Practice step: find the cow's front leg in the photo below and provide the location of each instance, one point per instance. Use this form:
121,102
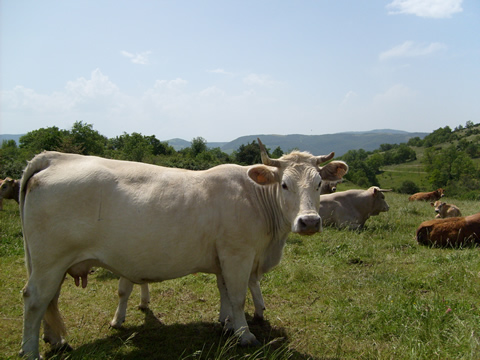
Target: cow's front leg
236,273
125,288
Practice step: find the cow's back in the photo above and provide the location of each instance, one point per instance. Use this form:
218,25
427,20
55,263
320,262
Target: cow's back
452,231
143,214
340,208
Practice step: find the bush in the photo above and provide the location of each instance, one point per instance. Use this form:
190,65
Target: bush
408,187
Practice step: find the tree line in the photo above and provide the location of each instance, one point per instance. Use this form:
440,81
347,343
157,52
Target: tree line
448,157
83,139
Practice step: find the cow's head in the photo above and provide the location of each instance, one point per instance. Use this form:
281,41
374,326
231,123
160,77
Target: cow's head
438,205
379,202
298,177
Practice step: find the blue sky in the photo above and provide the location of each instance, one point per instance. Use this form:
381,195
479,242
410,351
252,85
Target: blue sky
224,69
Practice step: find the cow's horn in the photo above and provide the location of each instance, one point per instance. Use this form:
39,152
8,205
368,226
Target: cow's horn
265,159
322,158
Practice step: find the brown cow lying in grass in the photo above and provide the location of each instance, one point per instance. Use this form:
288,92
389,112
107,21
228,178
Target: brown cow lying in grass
9,189
450,231
445,210
427,196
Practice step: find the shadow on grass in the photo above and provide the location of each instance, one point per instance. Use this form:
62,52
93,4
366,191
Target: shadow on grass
197,340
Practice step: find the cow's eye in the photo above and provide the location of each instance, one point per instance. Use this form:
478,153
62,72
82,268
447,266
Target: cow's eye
319,184
284,186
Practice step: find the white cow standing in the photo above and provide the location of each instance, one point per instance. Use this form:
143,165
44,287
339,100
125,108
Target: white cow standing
148,223
125,287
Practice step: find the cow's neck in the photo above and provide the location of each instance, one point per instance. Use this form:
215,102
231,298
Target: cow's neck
277,225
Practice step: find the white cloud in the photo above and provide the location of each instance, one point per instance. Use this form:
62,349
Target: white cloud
258,79
349,96
426,8
396,93
139,58
168,108
220,71
411,49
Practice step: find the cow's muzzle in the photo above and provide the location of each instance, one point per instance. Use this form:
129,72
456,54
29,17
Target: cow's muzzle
308,224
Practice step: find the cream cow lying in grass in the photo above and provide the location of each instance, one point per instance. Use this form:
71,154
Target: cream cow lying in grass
352,208
445,210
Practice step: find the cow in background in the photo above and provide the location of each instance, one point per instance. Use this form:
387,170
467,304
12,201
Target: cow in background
427,196
148,223
9,189
454,231
328,187
445,210
352,208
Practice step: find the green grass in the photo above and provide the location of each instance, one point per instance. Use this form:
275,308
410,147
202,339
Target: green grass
372,294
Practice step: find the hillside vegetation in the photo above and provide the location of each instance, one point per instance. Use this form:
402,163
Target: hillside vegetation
445,158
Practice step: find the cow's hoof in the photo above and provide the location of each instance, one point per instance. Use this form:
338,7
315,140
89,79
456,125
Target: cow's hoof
21,354
249,341
116,324
258,318
63,347
143,307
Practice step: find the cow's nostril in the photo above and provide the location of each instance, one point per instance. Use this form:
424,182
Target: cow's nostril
309,224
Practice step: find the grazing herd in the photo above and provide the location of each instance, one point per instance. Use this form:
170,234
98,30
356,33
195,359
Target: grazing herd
148,223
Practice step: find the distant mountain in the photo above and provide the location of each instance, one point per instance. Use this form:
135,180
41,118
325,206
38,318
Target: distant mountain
316,144
15,137
340,143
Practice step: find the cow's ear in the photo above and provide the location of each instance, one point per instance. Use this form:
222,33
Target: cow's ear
262,175
333,171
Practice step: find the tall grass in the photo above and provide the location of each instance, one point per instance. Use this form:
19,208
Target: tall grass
370,294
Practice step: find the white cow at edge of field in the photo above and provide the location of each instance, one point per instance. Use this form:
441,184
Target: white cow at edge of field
148,223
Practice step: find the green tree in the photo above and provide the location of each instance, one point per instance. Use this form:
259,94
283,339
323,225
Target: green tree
361,172
134,147
199,145
277,153
90,141
43,139
12,160
248,154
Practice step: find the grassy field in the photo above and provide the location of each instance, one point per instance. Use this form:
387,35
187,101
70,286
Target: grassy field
373,294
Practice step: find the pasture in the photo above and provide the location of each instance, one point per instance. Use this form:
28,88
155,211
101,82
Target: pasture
372,294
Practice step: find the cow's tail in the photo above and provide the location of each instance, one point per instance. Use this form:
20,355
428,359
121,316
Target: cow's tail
39,163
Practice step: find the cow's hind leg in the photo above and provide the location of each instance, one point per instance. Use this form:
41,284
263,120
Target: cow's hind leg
144,297
125,288
225,317
53,334
254,286
236,275
40,301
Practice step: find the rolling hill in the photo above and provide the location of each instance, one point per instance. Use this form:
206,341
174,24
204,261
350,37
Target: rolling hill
316,144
